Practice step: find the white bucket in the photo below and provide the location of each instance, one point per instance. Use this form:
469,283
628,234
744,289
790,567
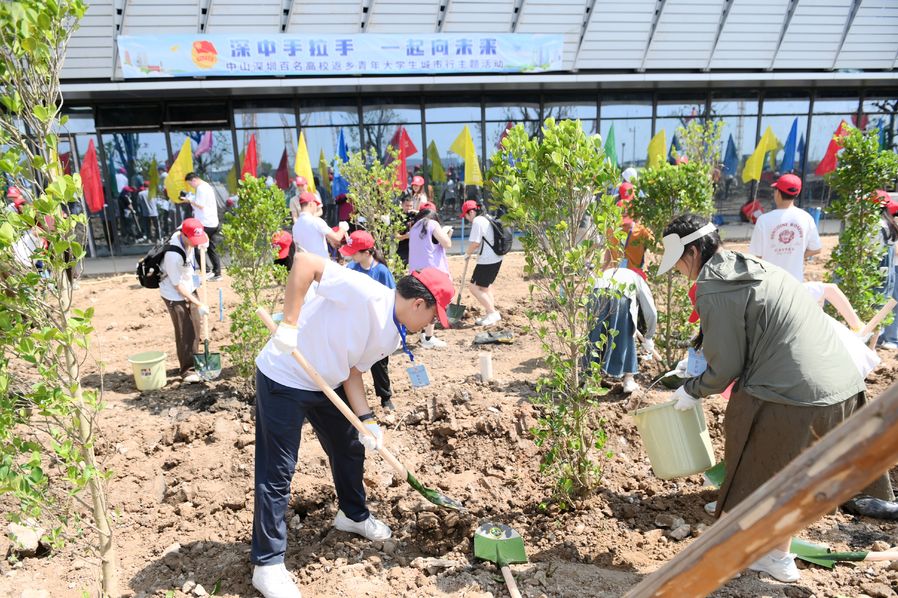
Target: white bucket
149,370
677,442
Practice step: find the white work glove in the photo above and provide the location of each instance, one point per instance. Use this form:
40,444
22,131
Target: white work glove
648,345
864,337
385,219
343,225
285,338
203,310
372,444
448,231
685,401
680,370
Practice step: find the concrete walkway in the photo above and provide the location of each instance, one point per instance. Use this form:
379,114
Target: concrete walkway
106,266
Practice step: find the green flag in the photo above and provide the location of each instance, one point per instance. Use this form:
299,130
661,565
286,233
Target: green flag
437,174
610,149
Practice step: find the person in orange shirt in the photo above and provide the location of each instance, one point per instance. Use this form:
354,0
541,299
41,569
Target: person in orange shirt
637,236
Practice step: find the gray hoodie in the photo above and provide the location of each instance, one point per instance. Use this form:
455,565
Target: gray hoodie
760,325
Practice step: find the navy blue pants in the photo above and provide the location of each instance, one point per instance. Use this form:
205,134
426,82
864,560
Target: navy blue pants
280,413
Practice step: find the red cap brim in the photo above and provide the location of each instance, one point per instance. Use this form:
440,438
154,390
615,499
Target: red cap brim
444,319
348,250
201,239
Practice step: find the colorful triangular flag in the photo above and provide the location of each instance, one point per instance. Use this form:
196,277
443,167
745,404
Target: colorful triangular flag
437,173
755,163
282,174
302,165
204,146
91,182
183,164
323,172
463,146
611,147
674,152
657,147
830,158
731,158
250,158
788,163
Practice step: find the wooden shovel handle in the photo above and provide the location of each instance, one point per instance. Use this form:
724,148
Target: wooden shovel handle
510,582
204,291
655,355
888,555
874,322
339,403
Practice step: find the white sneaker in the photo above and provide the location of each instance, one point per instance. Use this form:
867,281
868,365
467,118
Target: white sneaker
190,379
778,565
432,342
370,528
630,385
711,507
273,581
888,345
490,319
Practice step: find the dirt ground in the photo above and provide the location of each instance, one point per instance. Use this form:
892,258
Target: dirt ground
182,482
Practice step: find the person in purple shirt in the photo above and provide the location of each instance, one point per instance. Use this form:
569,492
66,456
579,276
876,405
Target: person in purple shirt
366,258
428,241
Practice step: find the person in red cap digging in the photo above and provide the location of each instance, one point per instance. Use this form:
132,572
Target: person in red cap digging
283,242
352,323
480,243
311,232
786,236
179,293
367,259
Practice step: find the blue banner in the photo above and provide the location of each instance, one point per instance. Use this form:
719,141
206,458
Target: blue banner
247,55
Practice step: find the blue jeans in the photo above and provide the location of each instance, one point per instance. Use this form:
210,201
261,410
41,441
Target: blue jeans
619,354
280,413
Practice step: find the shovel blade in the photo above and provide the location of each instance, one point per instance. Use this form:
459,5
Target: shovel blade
499,544
208,365
437,498
455,312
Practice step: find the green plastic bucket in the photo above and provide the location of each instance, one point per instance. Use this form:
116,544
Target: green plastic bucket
677,442
149,370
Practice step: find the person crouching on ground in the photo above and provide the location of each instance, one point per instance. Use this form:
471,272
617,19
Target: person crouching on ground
352,323
619,295
366,258
179,294
796,380
480,242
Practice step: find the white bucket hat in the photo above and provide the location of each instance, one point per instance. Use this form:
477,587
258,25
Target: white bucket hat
674,245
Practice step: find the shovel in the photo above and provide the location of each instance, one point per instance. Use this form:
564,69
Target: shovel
456,310
208,365
825,557
431,495
499,544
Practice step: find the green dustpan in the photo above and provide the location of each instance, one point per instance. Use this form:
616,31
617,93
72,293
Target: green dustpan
208,365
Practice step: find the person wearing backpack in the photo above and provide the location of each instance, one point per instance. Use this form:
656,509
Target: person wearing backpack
178,290
482,242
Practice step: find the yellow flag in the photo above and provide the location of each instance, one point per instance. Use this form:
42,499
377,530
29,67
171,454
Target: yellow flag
755,162
464,147
323,172
657,149
303,164
183,164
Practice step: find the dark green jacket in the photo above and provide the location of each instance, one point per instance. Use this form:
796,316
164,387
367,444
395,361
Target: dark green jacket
760,325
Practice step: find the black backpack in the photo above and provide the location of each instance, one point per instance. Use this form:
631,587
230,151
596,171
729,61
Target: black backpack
502,237
149,269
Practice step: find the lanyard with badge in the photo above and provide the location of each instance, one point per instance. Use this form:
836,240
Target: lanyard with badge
417,374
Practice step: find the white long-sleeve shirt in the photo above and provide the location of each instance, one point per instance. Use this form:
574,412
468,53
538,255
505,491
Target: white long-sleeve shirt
631,285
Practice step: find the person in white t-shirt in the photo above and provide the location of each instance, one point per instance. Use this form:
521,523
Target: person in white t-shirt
480,242
310,232
179,294
786,236
352,323
205,209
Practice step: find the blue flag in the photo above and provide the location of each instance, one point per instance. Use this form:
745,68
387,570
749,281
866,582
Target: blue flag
801,151
731,158
340,186
788,163
674,145
881,125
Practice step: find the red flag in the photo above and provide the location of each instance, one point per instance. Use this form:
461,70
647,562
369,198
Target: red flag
66,160
508,126
865,120
402,142
250,159
90,180
830,159
282,175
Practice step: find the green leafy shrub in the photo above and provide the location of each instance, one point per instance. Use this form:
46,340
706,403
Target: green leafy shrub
854,264
663,193
256,279
555,192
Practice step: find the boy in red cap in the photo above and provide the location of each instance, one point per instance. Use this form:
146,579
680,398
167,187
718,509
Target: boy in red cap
310,231
365,258
786,236
283,241
352,323
302,186
178,292
480,242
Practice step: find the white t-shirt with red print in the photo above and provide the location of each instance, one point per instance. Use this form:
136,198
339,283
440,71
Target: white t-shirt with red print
782,236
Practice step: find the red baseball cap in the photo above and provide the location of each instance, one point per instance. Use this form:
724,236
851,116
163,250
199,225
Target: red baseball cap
192,229
282,240
468,206
788,184
440,286
360,240
626,191
418,180
300,180
426,205
13,193
308,197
